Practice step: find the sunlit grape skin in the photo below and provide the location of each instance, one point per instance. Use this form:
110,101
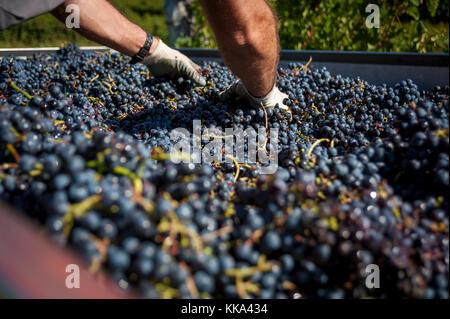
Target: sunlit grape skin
374,190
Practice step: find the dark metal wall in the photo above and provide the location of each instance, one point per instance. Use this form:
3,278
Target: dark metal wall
426,70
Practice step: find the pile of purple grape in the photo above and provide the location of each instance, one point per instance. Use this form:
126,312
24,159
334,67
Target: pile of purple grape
362,179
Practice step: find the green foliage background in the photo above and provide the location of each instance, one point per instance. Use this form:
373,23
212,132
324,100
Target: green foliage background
46,30
405,25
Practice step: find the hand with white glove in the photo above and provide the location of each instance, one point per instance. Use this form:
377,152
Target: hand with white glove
167,62
238,91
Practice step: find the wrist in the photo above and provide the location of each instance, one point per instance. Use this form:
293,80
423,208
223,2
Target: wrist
154,45
265,94
146,49
261,91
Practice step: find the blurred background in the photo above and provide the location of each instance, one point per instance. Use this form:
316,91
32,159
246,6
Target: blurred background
405,25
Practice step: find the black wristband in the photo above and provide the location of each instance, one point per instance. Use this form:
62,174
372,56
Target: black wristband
138,57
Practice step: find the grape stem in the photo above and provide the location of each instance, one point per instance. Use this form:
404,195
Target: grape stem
9,165
305,67
236,175
18,89
311,149
78,210
14,152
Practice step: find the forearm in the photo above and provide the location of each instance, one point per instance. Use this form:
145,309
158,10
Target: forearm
247,38
104,24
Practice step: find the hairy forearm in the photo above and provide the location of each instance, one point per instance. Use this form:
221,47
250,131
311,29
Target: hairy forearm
104,24
247,38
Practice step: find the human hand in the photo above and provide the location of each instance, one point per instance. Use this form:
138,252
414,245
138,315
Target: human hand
167,62
238,91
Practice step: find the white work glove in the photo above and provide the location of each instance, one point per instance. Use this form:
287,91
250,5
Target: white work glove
167,62
238,91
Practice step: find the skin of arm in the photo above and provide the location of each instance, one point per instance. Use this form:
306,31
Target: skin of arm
247,37
103,23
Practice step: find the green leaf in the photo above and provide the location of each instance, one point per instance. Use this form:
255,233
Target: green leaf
423,26
432,6
305,12
415,2
413,12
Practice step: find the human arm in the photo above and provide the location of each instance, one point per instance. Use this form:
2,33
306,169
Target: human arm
103,23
